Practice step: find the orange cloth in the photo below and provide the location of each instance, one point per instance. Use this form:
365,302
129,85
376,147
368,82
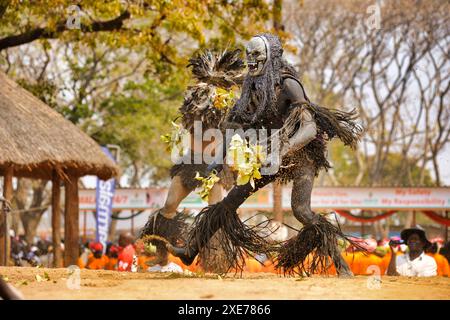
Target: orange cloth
252,265
366,263
331,270
195,266
443,268
112,264
98,264
80,263
328,269
353,260
371,264
385,262
177,261
269,266
142,262
90,258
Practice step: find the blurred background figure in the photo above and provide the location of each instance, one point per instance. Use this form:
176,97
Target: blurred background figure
159,258
127,251
97,260
414,263
113,256
443,268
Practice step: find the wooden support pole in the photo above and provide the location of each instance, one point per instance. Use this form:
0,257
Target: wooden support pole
71,227
5,242
56,220
85,213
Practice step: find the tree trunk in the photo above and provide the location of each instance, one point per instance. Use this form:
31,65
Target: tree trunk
20,198
113,227
386,229
277,14
71,221
5,242
30,222
30,219
409,219
56,220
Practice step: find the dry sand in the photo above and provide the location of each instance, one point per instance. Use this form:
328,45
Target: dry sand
41,283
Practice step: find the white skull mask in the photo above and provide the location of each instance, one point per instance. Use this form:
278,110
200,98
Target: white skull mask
258,53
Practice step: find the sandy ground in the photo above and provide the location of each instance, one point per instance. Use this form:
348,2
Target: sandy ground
40,283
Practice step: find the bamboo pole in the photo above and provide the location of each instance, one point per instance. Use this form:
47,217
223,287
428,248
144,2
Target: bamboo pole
5,242
56,220
71,227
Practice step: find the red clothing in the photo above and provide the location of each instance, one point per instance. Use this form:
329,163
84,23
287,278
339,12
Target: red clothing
126,258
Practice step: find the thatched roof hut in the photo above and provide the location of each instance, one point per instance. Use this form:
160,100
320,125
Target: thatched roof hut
35,139
37,142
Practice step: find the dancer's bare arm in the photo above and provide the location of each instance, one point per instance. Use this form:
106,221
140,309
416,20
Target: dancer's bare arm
308,130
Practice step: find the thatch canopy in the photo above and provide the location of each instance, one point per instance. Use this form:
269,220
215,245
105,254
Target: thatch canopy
35,139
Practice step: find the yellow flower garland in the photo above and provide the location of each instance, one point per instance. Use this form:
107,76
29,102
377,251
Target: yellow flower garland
246,160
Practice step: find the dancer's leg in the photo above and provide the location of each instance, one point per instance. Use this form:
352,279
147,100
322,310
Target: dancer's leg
167,222
177,192
301,207
216,194
223,215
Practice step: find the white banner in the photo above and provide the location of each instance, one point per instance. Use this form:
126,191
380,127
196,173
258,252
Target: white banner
322,198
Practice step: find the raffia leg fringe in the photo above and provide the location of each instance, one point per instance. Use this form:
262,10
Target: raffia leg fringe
237,239
212,257
312,250
174,230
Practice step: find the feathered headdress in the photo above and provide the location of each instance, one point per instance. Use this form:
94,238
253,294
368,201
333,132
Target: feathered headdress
223,69
208,100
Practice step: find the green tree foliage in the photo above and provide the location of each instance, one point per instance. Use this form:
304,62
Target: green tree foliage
134,120
119,67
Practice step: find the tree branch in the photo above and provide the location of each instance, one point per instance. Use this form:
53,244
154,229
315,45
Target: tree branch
45,33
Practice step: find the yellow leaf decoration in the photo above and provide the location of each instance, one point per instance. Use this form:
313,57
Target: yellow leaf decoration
207,184
150,248
175,139
246,160
223,99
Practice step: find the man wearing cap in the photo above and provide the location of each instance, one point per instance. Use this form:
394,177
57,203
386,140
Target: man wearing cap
415,263
97,261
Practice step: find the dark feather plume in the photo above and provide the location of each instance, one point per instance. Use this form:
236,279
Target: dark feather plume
223,69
